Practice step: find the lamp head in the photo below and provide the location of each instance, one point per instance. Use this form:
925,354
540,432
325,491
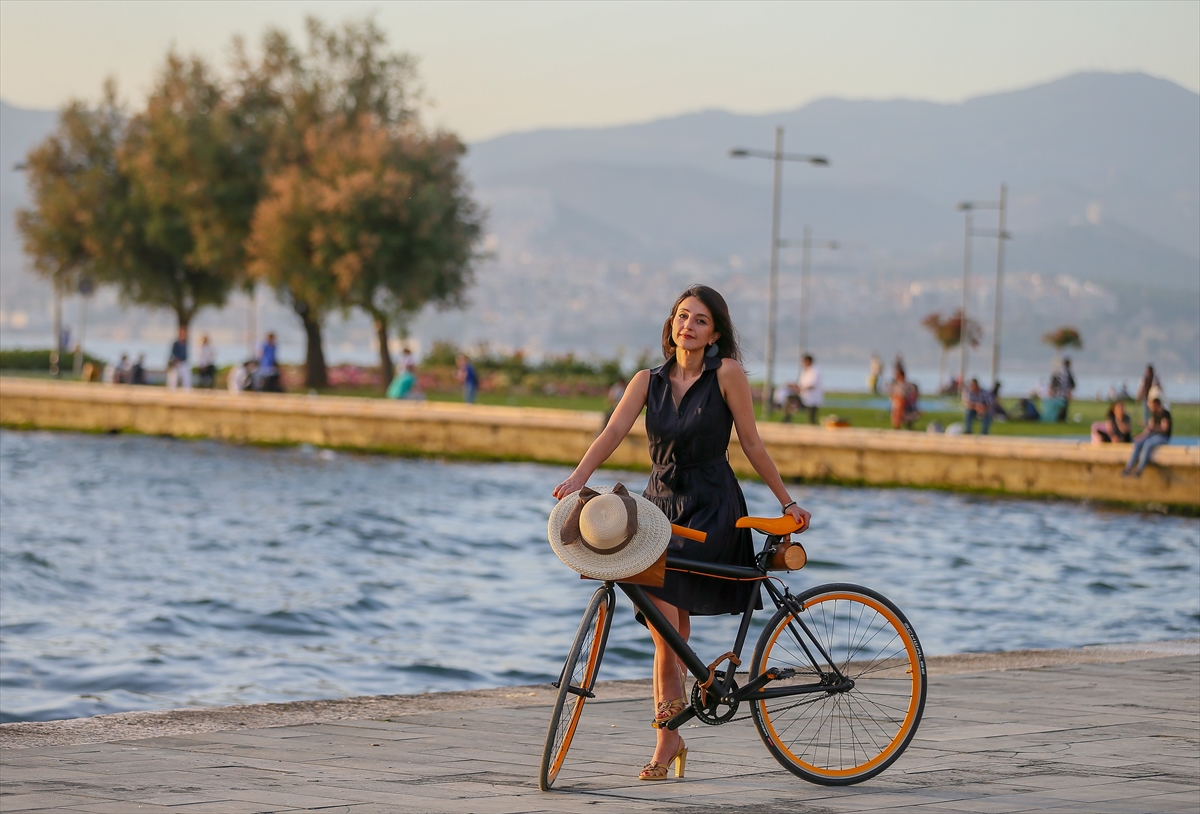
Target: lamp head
819,161
738,153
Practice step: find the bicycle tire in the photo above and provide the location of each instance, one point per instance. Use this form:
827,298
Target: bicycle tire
839,738
579,673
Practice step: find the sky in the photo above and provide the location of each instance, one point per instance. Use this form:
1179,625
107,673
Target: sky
490,68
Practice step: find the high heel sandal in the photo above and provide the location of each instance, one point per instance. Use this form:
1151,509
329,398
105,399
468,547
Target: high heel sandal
666,710
658,771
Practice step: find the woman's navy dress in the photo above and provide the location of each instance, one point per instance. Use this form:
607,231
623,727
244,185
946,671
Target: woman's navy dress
694,486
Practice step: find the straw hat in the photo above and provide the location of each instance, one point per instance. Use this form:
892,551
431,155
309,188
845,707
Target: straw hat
607,533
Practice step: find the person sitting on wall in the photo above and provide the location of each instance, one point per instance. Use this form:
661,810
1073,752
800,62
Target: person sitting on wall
998,411
241,378
1116,428
1157,433
404,386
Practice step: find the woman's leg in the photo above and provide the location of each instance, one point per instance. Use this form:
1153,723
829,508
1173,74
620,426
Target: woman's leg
668,683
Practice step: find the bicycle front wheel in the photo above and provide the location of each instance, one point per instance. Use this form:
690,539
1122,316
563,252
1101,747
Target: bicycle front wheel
575,683
845,734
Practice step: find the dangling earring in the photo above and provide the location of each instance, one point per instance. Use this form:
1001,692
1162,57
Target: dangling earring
712,349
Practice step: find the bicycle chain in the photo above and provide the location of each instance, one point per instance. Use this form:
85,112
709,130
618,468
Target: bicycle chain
750,715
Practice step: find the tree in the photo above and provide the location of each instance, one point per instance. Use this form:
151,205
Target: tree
74,182
157,205
949,334
1064,337
193,187
363,209
399,228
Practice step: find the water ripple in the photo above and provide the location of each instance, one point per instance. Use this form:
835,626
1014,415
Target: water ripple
144,573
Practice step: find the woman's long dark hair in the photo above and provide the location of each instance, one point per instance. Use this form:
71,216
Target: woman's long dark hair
727,343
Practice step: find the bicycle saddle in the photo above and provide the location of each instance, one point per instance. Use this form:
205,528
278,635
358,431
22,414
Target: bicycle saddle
772,525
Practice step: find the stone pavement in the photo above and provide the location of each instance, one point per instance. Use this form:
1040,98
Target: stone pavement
1090,737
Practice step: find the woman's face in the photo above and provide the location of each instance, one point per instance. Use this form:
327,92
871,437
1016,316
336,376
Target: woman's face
692,327
1119,409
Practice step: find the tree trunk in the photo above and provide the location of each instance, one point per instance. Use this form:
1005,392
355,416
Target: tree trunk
942,369
386,368
315,374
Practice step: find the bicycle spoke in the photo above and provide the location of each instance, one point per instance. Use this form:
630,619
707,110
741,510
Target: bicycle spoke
849,732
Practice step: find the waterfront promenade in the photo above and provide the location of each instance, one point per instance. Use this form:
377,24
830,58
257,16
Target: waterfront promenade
1013,466
1104,729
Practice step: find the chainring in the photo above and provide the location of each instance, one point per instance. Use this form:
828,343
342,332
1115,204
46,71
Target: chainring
716,712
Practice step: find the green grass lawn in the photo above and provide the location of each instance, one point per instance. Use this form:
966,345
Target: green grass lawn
1186,417
844,405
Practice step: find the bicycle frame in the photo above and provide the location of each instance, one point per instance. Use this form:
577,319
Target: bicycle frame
832,678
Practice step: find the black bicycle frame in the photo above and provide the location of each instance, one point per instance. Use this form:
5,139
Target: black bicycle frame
835,682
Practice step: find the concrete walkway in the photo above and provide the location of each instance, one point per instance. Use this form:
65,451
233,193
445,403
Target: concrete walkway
1093,736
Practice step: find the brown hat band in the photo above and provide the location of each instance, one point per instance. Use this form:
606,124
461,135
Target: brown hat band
571,533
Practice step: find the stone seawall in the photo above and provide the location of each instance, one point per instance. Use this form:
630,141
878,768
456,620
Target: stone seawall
1016,466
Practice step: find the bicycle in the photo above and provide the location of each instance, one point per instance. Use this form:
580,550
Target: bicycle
836,684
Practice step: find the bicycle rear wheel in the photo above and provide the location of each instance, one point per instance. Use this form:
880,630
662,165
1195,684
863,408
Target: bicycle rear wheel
838,737
575,683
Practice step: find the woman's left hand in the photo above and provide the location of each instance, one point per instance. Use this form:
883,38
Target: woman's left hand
799,515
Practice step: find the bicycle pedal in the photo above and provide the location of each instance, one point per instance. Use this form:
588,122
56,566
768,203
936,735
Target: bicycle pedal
781,675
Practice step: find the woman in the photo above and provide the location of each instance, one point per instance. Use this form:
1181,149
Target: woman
692,401
1116,428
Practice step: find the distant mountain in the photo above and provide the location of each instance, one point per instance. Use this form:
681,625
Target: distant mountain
592,231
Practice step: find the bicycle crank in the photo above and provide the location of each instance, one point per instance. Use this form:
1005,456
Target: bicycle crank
718,710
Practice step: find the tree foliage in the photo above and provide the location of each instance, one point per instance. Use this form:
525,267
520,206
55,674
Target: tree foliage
948,332
308,169
1063,337
363,209
73,181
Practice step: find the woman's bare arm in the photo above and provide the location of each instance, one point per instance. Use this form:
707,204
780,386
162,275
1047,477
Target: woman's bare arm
736,390
606,442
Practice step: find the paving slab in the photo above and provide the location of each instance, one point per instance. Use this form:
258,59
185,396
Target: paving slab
1070,735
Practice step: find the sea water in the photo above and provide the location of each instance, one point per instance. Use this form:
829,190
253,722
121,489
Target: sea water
148,573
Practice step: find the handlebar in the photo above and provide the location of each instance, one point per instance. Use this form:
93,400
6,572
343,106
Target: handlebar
691,534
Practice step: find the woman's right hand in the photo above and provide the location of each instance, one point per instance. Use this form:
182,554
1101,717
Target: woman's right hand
570,486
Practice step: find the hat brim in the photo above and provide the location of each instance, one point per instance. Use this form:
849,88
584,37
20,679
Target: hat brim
647,545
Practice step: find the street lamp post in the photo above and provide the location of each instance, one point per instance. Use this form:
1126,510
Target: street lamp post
967,207
778,156
806,247
1001,236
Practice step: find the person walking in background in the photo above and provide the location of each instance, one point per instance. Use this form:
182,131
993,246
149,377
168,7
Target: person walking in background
1062,386
206,363
467,378
874,371
615,393
268,367
178,363
1116,428
812,391
903,397
406,359
1157,433
1148,382
977,403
